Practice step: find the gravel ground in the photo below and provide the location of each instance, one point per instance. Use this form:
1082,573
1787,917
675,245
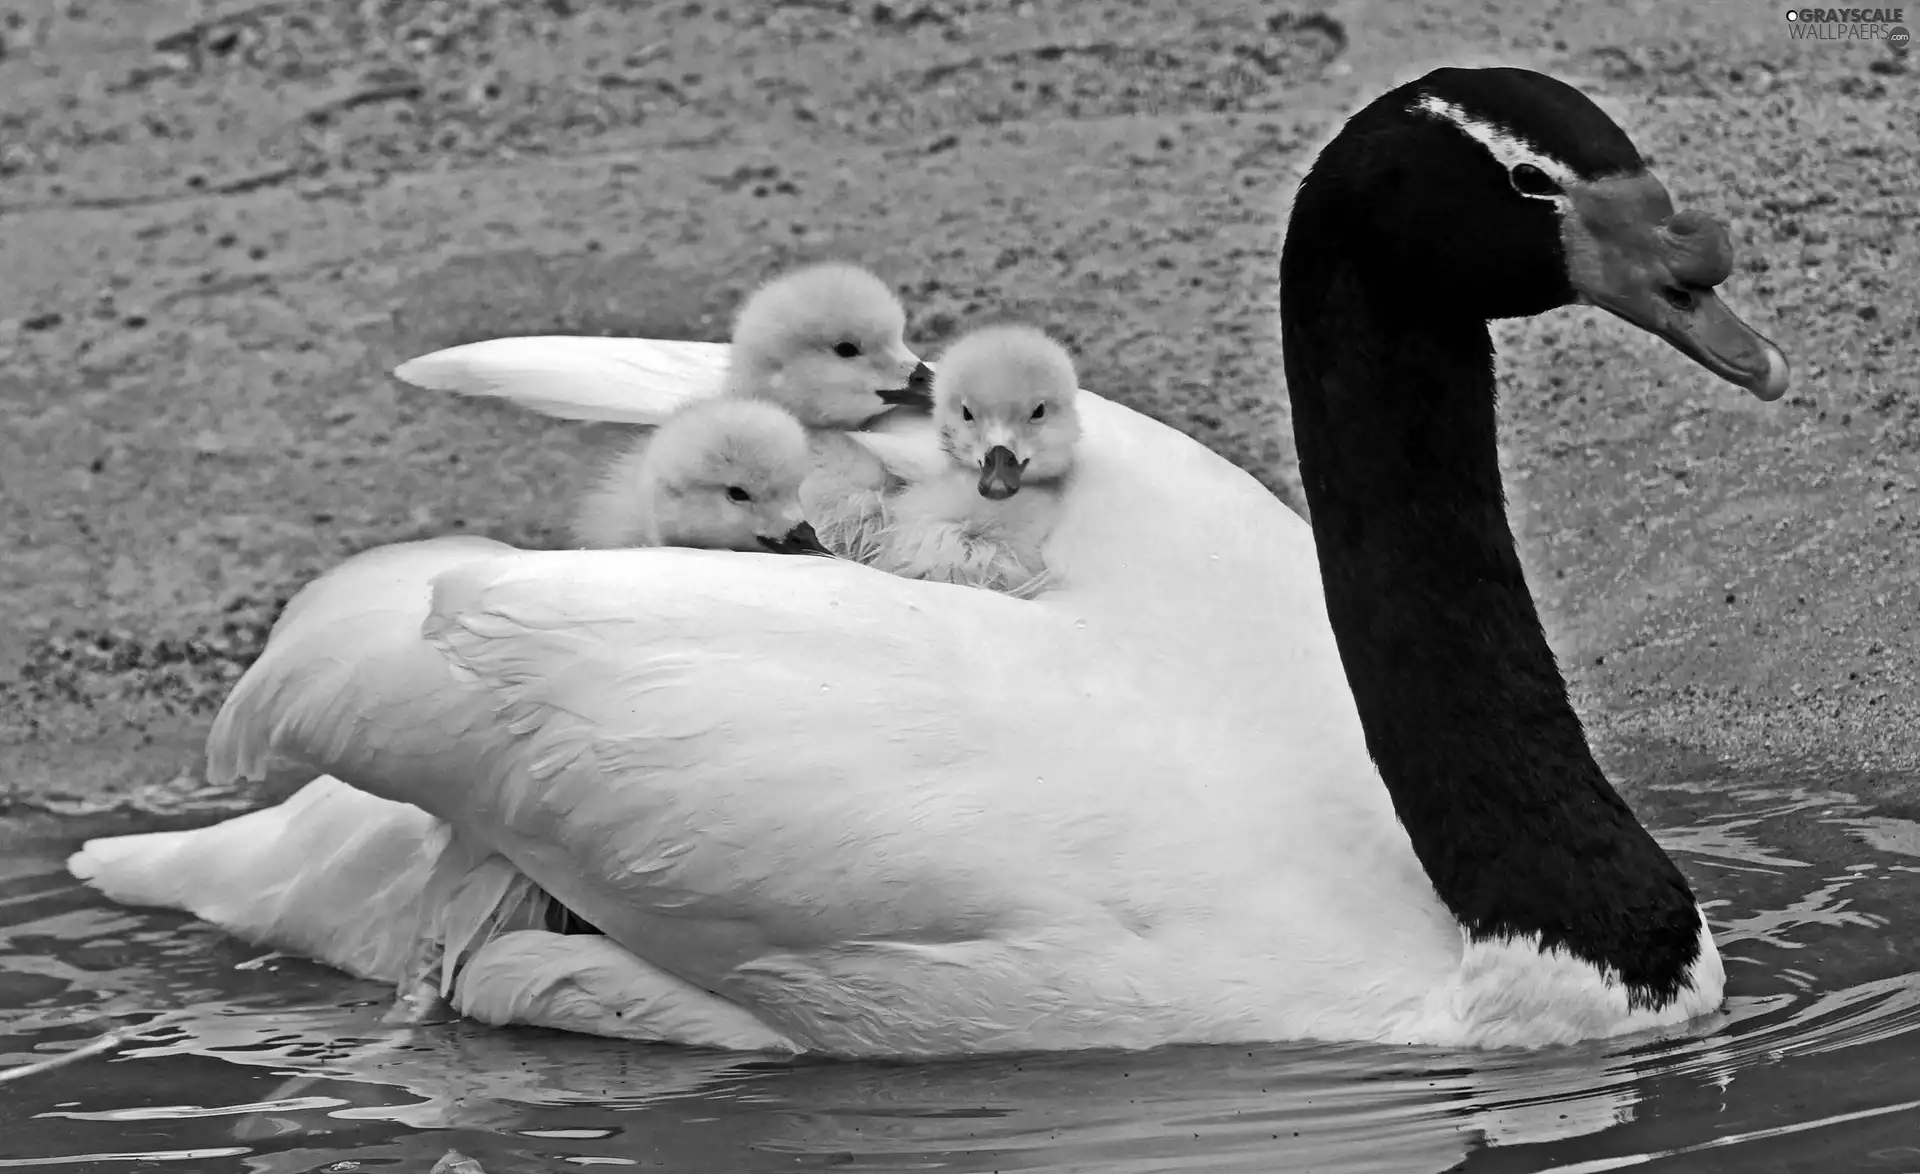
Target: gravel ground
221,225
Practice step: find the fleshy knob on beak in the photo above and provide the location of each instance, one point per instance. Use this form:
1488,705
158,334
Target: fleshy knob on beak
1699,249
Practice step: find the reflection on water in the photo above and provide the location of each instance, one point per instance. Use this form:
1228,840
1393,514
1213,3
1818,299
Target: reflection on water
237,1060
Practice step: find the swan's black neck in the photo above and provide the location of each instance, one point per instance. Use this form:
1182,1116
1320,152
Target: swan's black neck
1465,711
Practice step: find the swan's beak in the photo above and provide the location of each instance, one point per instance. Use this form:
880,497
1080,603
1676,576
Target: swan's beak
1000,473
1629,254
799,540
918,393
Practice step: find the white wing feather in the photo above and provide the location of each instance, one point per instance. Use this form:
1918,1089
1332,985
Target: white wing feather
613,380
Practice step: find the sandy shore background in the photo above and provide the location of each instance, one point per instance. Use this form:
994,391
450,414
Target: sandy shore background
222,225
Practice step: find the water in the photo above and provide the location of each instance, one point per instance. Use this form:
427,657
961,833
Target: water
239,1062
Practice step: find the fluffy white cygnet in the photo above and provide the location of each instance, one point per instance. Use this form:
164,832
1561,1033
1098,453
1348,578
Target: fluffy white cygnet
722,474
1004,405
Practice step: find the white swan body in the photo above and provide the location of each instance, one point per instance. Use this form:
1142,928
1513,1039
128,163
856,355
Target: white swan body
887,817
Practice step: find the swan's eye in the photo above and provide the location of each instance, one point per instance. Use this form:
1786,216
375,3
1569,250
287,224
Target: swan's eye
738,494
1040,412
966,413
1529,180
847,350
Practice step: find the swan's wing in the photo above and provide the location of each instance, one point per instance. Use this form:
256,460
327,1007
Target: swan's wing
772,777
617,380
690,748
343,668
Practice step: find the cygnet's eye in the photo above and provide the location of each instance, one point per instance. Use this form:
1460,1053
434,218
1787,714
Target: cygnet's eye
1039,412
847,350
738,494
966,413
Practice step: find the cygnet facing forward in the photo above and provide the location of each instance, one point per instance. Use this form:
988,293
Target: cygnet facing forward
1005,407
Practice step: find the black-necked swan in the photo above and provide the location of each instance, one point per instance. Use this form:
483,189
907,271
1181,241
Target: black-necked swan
817,806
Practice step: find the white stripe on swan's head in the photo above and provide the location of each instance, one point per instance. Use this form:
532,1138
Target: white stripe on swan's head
1508,149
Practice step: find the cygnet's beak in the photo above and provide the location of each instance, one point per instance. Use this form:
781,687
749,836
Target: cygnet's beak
1000,473
799,540
918,393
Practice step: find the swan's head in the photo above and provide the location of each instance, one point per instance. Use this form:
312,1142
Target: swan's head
1502,193
726,475
827,343
1006,402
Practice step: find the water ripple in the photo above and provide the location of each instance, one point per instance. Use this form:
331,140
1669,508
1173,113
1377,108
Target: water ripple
299,1071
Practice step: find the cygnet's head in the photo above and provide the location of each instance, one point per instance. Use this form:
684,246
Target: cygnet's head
726,475
1005,399
827,342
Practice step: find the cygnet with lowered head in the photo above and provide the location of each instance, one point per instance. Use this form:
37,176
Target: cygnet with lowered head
721,474
1005,405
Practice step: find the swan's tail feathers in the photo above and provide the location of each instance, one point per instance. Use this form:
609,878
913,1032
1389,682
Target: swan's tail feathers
614,380
590,985
333,874
138,870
